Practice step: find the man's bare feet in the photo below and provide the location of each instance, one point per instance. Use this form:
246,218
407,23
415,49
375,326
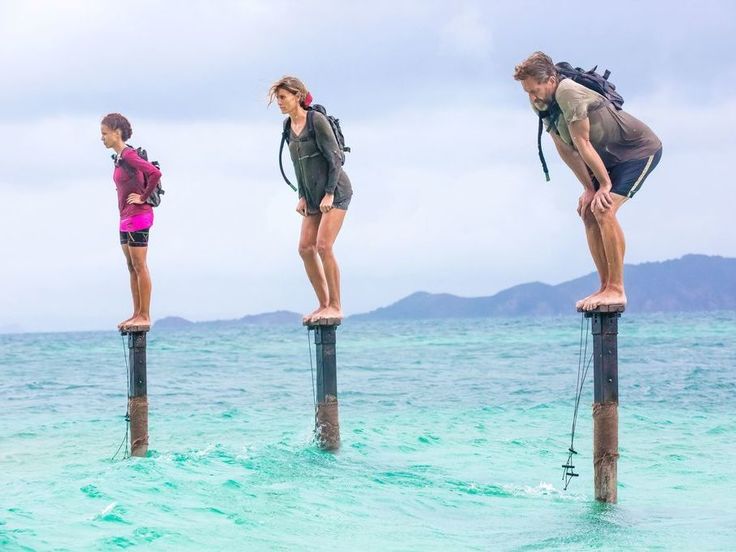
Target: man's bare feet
606,297
308,317
328,312
579,304
138,321
124,322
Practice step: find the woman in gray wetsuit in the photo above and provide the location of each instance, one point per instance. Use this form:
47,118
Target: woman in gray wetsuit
324,192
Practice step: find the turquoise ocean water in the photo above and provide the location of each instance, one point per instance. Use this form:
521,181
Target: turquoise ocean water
453,433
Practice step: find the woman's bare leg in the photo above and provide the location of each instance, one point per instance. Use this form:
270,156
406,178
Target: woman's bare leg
312,263
133,287
140,267
329,228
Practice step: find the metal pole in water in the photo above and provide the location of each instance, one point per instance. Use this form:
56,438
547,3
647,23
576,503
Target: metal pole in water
137,390
327,426
605,400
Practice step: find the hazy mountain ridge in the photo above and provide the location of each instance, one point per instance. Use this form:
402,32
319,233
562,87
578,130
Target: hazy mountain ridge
275,317
691,283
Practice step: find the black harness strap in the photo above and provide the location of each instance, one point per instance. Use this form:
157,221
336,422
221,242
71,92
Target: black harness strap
542,115
310,123
552,113
285,140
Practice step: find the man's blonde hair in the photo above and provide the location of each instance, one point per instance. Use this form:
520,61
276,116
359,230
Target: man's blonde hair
538,66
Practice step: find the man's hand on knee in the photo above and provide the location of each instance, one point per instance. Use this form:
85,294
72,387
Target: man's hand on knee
584,201
602,201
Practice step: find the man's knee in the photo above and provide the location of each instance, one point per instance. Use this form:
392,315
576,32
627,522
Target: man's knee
588,217
603,215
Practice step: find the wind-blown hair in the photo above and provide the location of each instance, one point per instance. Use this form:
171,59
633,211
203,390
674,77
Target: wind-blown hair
539,66
293,85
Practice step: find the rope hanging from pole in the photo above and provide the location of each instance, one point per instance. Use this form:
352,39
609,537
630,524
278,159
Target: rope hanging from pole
311,369
124,444
584,362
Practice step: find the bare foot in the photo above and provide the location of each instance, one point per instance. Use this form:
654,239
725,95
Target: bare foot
329,312
138,321
606,297
308,317
124,322
579,304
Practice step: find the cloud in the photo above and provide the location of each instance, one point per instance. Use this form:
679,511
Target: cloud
198,60
467,33
449,195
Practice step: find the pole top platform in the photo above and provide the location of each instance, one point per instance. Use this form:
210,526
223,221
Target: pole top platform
135,329
323,322
604,308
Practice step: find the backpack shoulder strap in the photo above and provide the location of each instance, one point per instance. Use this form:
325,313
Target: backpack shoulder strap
310,123
120,156
123,163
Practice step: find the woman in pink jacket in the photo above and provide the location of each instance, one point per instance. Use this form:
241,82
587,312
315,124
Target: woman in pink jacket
135,180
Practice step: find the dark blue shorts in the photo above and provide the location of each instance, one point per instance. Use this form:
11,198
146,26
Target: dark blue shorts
627,177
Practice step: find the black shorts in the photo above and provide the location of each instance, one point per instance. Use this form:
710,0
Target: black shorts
627,177
138,238
342,205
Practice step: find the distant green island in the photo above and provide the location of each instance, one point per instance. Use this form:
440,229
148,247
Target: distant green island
688,284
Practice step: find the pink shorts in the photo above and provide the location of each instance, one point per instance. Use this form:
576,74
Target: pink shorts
137,222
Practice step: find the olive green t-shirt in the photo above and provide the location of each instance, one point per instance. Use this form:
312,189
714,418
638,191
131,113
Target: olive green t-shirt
615,135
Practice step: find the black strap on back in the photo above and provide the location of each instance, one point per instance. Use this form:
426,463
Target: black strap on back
553,112
120,162
310,123
542,115
285,140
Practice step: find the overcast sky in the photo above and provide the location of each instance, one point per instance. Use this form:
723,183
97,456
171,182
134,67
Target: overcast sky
449,194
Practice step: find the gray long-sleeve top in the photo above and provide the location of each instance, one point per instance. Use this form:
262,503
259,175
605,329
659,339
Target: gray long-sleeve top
318,164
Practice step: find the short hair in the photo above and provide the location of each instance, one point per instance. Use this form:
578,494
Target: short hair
538,66
290,84
116,121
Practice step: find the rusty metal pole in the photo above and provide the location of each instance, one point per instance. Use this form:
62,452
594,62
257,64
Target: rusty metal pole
605,401
327,426
137,390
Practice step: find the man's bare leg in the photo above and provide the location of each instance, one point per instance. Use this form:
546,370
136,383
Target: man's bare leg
133,287
328,230
138,259
614,245
597,251
312,263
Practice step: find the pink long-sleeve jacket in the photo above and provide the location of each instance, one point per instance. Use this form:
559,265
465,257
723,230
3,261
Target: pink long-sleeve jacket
134,175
